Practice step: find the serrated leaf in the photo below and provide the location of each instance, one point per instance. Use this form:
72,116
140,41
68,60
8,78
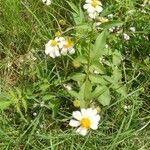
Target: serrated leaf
82,59
98,79
99,45
122,89
4,104
111,24
117,75
117,58
47,97
78,77
105,98
98,67
73,94
85,93
98,91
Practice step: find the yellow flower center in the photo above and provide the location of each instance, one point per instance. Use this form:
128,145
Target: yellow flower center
53,43
85,123
68,43
94,3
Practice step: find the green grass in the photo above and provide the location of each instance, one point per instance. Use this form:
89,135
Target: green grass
25,28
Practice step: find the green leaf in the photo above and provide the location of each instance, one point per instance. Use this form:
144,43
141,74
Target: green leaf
44,86
117,75
105,97
111,24
98,79
117,58
73,94
4,104
97,66
99,46
121,89
85,94
98,91
81,59
47,97
78,77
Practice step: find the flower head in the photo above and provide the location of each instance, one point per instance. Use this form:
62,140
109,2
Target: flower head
67,47
93,7
53,46
126,36
84,120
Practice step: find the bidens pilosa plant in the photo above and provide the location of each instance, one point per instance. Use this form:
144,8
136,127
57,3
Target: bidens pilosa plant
100,72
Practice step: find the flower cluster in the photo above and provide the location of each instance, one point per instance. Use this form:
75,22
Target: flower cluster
93,7
87,118
59,46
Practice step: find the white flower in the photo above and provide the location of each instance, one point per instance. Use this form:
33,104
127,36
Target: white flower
106,45
53,46
87,118
68,87
111,29
67,47
34,114
132,29
93,7
126,108
126,36
47,2
110,16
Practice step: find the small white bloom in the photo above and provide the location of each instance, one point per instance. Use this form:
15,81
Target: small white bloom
84,120
53,46
42,104
132,29
126,108
131,12
47,2
111,29
93,7
34,114
110,16
106,45
95,72
143,11
126,36
67,47
67,87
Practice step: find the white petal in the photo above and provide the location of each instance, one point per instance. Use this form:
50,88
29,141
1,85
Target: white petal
88,1
64,51
82,131
84,112
94,126
77,115
90,9
52,53
74,123
86,6
98,9
56,51
93,16
47,49
71,50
